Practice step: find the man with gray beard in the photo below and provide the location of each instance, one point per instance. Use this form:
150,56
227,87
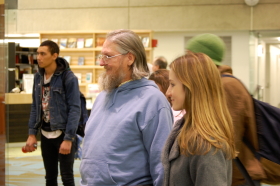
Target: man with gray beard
130,119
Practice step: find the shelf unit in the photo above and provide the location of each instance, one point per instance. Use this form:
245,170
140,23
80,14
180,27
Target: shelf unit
21,60
89,54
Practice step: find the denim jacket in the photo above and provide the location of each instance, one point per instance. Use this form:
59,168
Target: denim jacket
64,103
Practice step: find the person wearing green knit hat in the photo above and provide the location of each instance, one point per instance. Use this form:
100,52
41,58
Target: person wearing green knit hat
240,105
209,44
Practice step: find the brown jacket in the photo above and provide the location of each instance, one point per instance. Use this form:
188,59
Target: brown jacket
241,108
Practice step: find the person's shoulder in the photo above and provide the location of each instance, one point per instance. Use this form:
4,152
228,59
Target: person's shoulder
68,74
151,95
37,74
155,93
233,84
213,153
149,86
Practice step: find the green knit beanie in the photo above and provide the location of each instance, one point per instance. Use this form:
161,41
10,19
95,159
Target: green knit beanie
209,44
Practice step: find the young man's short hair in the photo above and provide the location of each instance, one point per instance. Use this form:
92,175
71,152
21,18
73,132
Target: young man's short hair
53,47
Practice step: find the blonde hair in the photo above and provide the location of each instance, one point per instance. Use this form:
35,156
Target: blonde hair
207,121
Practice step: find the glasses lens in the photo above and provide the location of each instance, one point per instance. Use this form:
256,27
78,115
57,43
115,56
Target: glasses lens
100,56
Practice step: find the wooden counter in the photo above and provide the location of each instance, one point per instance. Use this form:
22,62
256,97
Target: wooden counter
18,108
18,98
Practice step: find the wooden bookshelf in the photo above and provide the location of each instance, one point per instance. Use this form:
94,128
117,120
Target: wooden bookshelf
90,52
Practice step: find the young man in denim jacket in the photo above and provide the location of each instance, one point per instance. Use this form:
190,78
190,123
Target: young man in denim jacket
56,109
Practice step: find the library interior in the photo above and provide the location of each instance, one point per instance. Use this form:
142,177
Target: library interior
249,29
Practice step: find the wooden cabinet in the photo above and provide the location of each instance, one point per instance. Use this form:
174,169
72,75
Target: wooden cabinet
82,49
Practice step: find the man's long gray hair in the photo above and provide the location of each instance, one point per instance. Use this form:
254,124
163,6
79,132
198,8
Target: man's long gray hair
128,41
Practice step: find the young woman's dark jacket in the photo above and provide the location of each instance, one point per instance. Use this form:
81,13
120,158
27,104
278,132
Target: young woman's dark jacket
64,103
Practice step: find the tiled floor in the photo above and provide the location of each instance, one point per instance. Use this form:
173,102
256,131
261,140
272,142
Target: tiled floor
27,169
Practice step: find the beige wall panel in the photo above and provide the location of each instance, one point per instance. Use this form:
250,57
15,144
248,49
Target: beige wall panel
266,17
32,21
47,4
43,4
182,2
10,21
267,1
235,17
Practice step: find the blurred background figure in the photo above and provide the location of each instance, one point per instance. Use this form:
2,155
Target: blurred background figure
161,78
159,63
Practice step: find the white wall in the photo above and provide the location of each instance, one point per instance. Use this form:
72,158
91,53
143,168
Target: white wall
253,63
262,72
273,76
241,57
33,16
171,45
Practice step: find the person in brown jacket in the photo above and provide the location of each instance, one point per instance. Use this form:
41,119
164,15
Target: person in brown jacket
239,104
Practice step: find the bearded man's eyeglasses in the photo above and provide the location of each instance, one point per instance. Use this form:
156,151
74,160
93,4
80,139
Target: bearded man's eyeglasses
106,58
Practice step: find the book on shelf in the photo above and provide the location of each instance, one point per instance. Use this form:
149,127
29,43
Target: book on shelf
63,43
68,59
79,76
55,40
80,42
17,70
100,41
72,43
145,41
89,77
30,59
35,69
89,43
97,61
81,61
27,70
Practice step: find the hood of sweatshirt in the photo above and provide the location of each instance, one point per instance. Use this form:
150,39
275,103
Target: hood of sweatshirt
225,69
143,82
62,65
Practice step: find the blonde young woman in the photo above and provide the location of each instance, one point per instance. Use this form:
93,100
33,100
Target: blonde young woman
200,148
